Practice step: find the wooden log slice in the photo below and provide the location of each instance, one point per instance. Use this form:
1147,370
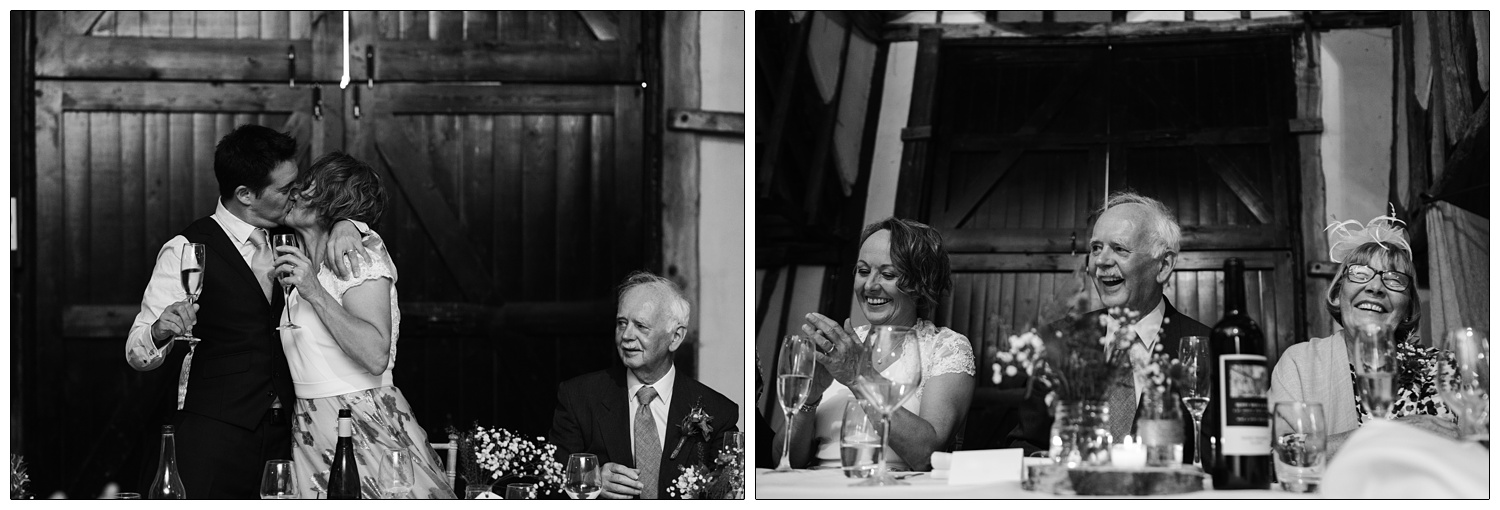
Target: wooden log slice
1113,481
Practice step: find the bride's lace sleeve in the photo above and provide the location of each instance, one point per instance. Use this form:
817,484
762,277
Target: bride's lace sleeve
378,268
950,354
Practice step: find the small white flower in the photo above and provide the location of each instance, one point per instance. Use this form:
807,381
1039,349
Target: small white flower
1010,371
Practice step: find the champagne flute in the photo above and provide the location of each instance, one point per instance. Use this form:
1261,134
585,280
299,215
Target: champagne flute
286,290
895,375
1192,352
794,373
278,480
193,255
1375,365
396,474
583,476
1464,380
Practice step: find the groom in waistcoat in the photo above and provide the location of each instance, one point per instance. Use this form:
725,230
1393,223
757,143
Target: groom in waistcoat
1132,252
630,416
227,391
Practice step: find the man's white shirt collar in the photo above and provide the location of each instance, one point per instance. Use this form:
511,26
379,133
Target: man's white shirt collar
1148,329
663,386
238,230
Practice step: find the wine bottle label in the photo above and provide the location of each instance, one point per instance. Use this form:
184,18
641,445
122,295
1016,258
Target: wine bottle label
1245,423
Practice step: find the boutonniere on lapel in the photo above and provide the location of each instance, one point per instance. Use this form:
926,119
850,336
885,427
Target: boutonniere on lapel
697,422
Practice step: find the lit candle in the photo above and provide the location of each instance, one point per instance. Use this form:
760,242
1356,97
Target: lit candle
1129,454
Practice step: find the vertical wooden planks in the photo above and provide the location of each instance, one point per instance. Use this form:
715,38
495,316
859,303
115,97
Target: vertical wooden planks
539,192
184,24
572,205
299,24
543,25
157,164
447,25
104,222
215,24
156,24
509,136
513,26
478,182
275,25
479,25
128,23
629,183
134,261
388,25
247,25
601,164
76,174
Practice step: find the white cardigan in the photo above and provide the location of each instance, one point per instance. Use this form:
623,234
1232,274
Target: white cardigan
1317,371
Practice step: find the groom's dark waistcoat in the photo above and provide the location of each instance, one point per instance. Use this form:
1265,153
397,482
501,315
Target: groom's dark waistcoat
239,367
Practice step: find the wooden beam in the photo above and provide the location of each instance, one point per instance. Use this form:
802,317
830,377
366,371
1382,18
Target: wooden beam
146,58
1062,240
1120,29
911,187
1310,204
604,29
414,175
1065,263
520,98
592,62
180,97
784,93
705,121
1305,126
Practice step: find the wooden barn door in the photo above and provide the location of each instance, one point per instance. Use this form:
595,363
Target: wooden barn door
513,146
1031,139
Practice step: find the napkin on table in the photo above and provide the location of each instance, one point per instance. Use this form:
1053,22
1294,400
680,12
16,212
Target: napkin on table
1386,459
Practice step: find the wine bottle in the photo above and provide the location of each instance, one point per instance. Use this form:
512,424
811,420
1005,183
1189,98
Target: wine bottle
1238,422
167,484
343,475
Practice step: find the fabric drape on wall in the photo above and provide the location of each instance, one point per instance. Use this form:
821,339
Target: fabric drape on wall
1459,272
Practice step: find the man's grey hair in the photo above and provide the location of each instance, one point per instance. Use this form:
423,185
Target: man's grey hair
678,310
1163,234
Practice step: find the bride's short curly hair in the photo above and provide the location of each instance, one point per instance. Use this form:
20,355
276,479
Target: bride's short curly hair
340,187
918,254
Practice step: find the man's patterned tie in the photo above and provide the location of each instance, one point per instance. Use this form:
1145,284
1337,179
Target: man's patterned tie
647,445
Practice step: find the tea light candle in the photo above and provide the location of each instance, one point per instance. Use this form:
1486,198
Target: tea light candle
1128,455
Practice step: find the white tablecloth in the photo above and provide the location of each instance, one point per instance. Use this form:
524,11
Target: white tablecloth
831,484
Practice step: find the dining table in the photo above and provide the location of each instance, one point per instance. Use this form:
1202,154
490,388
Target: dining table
830,483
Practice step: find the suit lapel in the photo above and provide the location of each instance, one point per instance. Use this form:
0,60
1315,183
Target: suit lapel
614,425
683,397
1171,332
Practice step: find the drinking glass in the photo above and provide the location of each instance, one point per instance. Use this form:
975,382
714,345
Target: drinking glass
396,474
583,480
477,491
1299,444
794,373
286,290
278,480
860,447
1192,352
193,255
1464,380
128,495
894,376
1375,366
520,491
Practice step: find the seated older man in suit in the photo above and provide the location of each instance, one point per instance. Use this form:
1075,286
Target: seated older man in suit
1132,252
630,416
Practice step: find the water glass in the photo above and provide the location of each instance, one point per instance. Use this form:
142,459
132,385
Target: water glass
278,480
128,495
1464,380
859,440
583,478
478,491
520,491
1299,444
396,474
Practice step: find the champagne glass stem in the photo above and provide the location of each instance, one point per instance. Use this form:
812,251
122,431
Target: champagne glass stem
1197,442
786,444
885,441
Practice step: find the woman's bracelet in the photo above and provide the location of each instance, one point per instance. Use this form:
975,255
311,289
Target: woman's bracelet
810,407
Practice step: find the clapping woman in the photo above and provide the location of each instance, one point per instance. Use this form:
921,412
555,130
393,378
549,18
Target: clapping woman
901,273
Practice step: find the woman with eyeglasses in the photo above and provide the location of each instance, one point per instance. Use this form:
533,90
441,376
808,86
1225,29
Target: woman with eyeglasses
1373,285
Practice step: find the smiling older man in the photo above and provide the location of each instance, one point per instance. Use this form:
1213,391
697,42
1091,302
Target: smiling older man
1132,252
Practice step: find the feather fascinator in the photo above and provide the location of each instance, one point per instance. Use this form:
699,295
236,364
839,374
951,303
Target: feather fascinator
1345,236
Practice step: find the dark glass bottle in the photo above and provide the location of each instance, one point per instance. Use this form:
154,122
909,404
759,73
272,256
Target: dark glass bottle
167,484
343,475
1238,422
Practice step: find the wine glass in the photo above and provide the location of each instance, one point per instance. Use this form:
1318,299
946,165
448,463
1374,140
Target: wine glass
278,480
520,491
583,480
1464,380
286,290
1299,445
1192,352
1375,366
396,474
895,375
794,373
193,255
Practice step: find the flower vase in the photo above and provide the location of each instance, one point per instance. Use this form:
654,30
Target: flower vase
1080,433
473,490
1159,424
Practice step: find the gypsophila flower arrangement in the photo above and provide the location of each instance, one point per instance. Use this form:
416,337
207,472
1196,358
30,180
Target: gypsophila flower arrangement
490,455
724,480
691,484
1078,359
19,480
